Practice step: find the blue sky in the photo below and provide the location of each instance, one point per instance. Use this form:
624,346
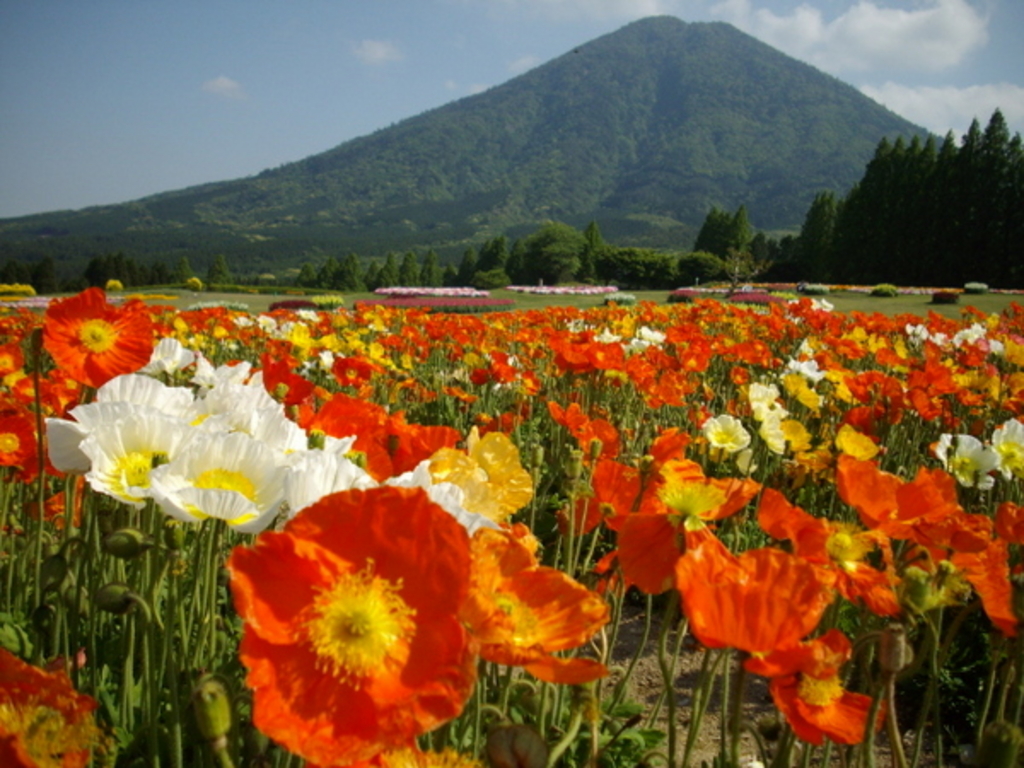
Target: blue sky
105,101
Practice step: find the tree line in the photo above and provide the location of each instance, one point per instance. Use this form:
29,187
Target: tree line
925,215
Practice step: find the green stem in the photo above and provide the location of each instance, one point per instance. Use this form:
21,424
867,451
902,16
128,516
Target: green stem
667,667
736,721
570,736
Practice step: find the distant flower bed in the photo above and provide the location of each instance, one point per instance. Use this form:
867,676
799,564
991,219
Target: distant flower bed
451,304
237,306
565,290
622,299
415,291
293,304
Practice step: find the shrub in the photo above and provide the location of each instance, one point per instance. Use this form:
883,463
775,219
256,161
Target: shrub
975,288
491,280
194,284
699,267
682,296
815,289
945,297
16,289
113,285
885,289
328,301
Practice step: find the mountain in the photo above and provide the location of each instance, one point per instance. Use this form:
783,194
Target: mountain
644,130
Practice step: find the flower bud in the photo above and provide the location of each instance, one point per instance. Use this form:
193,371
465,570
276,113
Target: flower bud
1000,745
174,535
126,543
212,704
316,440
115,598
574,469
537,458
53,572
916,590
516,746
894,652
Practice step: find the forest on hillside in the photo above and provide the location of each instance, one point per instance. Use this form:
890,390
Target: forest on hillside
923,214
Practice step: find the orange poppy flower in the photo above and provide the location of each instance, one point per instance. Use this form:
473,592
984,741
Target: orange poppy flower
18,442
924,510
44,721
989,573
761,601
12,359
1010,522
586,430
352,636
521,612
806,688
93,341
837,546
650,544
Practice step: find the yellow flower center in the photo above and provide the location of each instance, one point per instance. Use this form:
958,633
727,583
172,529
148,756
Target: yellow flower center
45,734
226,480
524,620
819,691
360,624
98,336
413,758
847,545
134,468
9,442
692,499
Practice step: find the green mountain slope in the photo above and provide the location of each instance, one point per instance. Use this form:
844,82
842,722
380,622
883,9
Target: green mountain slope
643,129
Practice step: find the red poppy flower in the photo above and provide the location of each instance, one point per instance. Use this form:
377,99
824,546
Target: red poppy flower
93,341
761,601
352,636
282,383
44,721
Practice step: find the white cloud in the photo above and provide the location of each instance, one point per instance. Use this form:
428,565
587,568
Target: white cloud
947,108
935,35
376,52
476,88
523,63
224,86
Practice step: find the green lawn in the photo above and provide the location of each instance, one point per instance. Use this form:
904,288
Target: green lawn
843,302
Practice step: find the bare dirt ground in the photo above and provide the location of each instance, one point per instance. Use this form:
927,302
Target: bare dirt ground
646,686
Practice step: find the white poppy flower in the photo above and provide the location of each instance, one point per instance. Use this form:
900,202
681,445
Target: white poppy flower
969,461
227,476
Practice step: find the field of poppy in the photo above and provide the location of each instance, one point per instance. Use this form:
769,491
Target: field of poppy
387,536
